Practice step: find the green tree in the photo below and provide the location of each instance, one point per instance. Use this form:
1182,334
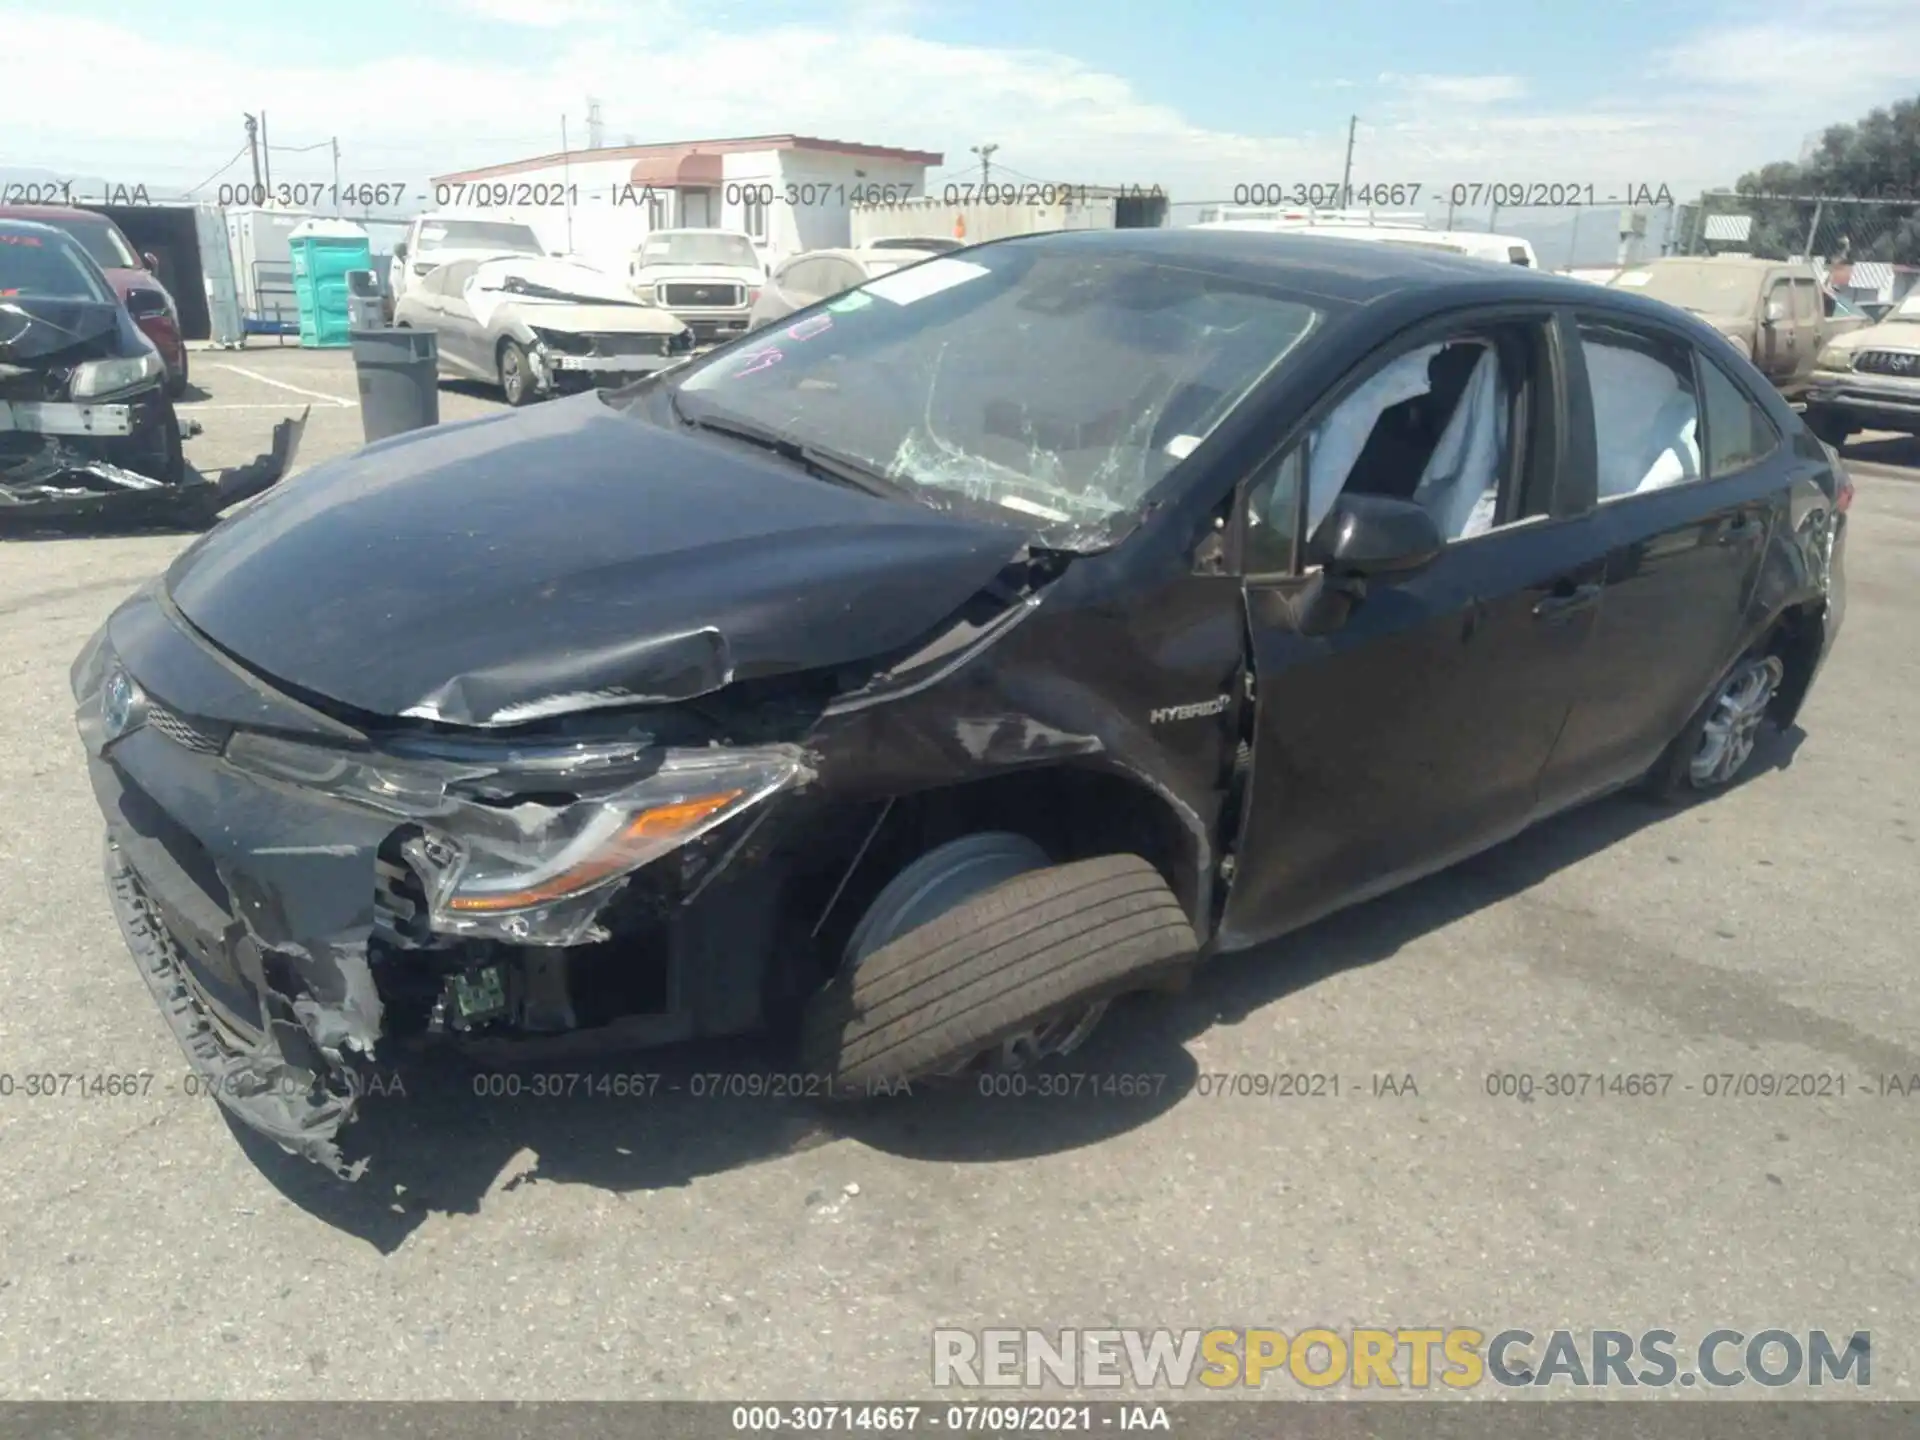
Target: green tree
1874,158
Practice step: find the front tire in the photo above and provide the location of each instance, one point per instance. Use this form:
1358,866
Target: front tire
516,374
1017,972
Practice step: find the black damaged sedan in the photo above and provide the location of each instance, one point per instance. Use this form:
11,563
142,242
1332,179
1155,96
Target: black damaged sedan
84,412
1009,633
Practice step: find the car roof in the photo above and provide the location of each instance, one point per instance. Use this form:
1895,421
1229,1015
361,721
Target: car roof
1352,275
1325,265
49,213
1724,262
15,225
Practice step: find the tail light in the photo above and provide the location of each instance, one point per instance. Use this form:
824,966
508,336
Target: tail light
1843,497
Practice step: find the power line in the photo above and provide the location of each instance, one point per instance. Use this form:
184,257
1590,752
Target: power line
218,173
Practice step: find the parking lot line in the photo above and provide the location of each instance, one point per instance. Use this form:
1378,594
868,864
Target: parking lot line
283,385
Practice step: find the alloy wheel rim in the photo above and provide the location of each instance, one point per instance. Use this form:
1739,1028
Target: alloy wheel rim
510,377
1732,729
1046,1039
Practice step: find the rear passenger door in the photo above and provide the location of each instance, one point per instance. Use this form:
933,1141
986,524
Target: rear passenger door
1689,470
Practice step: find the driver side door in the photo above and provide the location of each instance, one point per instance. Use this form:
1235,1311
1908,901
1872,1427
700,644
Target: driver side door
1415,731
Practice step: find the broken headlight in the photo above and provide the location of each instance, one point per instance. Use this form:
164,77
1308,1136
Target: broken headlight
528,848
97,378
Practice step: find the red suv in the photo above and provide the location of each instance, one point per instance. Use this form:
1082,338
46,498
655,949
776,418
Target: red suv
140,290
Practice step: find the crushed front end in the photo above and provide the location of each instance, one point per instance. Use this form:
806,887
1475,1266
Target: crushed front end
298,891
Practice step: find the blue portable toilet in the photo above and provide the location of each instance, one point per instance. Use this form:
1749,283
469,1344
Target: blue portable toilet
323,251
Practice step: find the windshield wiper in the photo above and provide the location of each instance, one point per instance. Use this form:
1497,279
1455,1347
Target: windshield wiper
825,464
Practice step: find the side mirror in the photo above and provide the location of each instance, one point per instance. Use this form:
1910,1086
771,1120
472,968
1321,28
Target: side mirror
400,250
1372,537
150,260
1776,311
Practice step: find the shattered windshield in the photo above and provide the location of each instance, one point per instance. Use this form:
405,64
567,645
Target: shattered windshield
693,247
46,267
1058,385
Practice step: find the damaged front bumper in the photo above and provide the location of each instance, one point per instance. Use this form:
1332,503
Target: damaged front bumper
64,462
293,902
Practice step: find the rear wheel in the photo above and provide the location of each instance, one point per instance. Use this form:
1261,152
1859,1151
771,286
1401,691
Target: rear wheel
981,956
516,373
1720,739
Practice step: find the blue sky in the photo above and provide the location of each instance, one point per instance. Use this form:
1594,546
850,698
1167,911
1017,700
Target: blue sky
1197,98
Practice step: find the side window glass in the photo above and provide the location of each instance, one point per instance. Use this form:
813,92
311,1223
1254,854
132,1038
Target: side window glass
842,275
1273,503
1739,432
1430,426
802,281
1646,422
1806,300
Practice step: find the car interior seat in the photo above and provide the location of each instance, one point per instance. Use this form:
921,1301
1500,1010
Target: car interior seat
1464,470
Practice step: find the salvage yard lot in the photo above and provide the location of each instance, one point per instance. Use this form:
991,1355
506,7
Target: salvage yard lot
676,1244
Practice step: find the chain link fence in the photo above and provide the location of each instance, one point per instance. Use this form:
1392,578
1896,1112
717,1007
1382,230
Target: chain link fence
1834,228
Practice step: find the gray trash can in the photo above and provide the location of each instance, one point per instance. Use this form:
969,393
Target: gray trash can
366,308
399,388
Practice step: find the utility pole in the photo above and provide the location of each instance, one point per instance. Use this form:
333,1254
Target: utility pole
253,150
985,152
566,179
335,142
1346,176
266,154
596,130
1813,230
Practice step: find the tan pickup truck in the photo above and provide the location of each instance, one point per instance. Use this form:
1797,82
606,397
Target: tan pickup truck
1777,311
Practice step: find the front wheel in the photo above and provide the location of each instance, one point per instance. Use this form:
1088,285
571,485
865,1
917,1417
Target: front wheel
516,373
1018,972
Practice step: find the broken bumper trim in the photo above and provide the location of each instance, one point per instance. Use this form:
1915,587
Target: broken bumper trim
611,364
287,1103
48,417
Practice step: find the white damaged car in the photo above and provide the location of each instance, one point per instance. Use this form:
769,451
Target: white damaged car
536,326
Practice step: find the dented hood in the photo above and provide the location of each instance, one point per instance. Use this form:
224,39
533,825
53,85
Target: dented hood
568,557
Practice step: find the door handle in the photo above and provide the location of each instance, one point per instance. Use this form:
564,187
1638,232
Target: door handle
1566,602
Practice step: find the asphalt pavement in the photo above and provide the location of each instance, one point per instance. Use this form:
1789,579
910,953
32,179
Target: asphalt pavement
676,1244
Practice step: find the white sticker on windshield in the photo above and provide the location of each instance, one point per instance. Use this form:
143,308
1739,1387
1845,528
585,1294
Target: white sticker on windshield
1028,507
1635,277
903,287
1181,446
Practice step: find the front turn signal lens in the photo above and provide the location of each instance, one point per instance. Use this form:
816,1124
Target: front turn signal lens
642,837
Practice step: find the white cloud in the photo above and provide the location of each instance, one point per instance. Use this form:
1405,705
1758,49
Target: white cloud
545,15
1706,107
1458,89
